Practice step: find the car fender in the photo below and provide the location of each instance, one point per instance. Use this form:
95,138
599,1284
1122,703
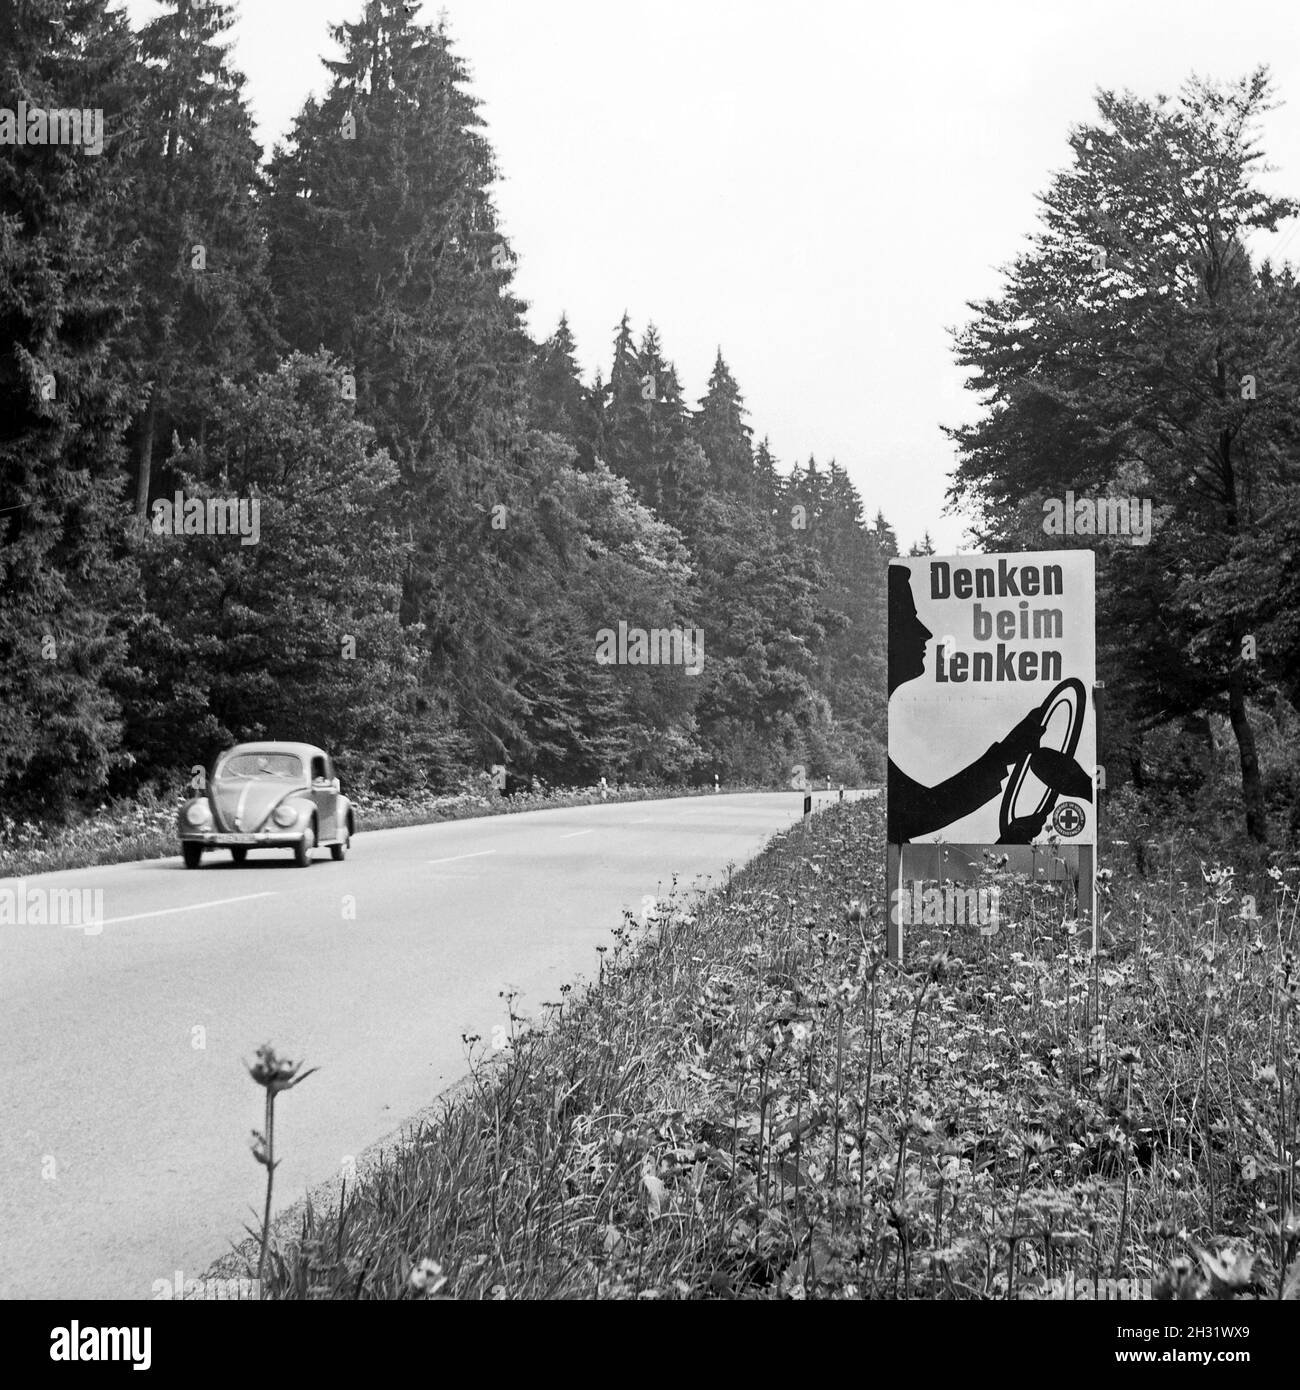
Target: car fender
302,803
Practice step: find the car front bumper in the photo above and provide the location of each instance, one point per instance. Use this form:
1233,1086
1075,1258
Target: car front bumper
257,839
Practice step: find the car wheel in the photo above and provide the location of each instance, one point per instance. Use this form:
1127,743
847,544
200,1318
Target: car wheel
239,853
193,854
338,851
302,850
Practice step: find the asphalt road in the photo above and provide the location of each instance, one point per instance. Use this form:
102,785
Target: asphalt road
125,1109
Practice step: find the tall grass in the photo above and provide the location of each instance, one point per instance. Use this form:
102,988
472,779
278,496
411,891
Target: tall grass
750,1102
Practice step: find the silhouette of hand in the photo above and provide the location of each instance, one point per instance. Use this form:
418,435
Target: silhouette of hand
1023,739
1023,830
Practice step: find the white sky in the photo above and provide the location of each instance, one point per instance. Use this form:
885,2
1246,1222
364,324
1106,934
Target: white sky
818,187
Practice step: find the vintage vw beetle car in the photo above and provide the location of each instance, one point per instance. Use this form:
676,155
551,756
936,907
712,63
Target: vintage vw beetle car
268,796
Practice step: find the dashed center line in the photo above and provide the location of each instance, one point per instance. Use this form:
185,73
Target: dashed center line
478,854
571,835
191,907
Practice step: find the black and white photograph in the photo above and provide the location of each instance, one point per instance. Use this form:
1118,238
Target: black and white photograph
649,654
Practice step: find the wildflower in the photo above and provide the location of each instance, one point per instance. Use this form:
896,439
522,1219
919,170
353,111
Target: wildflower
1037,1143
1117,1138
1129,1056
1178,1283
845,994
1229,1272
855,913
942,963
276,1073
427,1277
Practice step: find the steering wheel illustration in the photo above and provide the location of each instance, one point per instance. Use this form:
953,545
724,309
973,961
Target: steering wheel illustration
1070,694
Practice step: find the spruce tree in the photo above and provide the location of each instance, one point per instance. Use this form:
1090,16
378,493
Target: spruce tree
202,316
385,247
65,400
720,429
557,400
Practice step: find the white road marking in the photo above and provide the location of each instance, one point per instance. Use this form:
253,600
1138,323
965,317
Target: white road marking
577,832
192,907
478,854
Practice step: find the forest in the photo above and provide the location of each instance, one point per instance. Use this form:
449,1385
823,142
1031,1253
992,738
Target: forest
325,345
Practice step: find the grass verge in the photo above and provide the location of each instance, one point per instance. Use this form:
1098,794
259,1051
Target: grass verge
750,1102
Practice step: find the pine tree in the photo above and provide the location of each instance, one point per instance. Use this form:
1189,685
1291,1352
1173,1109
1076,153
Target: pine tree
556,394
767,480
385,248
886,539
65,400
385,244
202,314
675,470
622,415
591,430
720,430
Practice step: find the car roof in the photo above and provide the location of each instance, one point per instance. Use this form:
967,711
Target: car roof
306,751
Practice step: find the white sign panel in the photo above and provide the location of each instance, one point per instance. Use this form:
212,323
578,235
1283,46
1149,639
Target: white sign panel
992,731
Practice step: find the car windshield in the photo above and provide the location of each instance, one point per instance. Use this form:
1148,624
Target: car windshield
260,767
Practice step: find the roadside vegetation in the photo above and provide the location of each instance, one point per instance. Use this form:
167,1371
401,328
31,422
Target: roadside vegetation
144,827
750,1101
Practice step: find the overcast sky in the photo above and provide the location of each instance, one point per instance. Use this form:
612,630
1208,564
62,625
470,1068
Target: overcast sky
818,187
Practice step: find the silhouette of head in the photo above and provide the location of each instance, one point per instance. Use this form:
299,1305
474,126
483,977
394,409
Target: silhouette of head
907,633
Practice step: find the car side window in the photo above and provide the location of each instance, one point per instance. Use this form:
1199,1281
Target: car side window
318,773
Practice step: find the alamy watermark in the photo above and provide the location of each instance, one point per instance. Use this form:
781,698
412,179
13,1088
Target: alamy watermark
34,125
180,1288
82,908
658,646
209,516
947,906
1087,1290
76,1343
1100,516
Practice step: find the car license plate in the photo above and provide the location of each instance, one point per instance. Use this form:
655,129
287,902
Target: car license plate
241,839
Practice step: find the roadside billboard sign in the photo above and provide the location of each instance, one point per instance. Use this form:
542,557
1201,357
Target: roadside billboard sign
992,720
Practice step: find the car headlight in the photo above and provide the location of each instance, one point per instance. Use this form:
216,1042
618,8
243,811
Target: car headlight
196,813
285,815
